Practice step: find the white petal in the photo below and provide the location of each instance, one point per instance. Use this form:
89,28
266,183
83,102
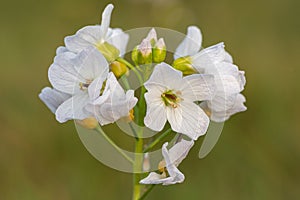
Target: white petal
118,39
114,103
91,64
151,35
155,118
227,88
242,79
53,98
208,57
85,37
154,178
223,68
63,75
238,106
228,57
164,76
179,151
73,108
174,173
61,49
106,15
188,119
198,87
95,87
191,43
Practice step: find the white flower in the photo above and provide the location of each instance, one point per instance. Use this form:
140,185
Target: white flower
53,98
171,97
81,76
216,61
96,35
172,158
114,102
223,115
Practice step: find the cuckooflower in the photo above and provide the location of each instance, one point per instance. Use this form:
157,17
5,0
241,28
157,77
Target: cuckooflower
216,61
171,97
53,98
168,167
114,102
110,42
81,76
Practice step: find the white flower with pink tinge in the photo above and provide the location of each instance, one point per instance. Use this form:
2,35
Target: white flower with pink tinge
170,97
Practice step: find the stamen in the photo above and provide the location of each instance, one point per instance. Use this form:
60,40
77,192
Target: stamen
171,99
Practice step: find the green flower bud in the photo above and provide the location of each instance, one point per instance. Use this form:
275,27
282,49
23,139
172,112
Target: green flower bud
109,51
184,64
159,51
142,54
135,55
118,68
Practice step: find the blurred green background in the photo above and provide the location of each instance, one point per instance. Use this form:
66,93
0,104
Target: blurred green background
258,154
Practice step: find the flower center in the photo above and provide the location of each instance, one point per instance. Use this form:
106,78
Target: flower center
84,86
170,98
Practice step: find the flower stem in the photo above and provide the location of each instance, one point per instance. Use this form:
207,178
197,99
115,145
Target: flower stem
149,189
157,140
99,130
138,166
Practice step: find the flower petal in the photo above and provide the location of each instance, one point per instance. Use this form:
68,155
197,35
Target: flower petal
155,118
53,98
191,44
119,39
208,57
85,37
154,178
174,173
188,119
198,87
164,76
105,22
63,75
73,108
223,115
179,151
113,104
91,64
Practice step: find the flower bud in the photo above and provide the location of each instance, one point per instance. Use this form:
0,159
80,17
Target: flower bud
159,51
109,51
142,54
135,55
184,64
118,68
152,37
145,52
89,123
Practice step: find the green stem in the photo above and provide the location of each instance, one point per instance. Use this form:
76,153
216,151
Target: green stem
141,106
99,130
133,131
138,166
149,189
125,82
157,140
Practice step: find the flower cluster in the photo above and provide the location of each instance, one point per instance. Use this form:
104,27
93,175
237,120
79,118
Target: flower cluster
196,87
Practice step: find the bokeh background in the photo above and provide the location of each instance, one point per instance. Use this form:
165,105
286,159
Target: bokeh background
258,154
